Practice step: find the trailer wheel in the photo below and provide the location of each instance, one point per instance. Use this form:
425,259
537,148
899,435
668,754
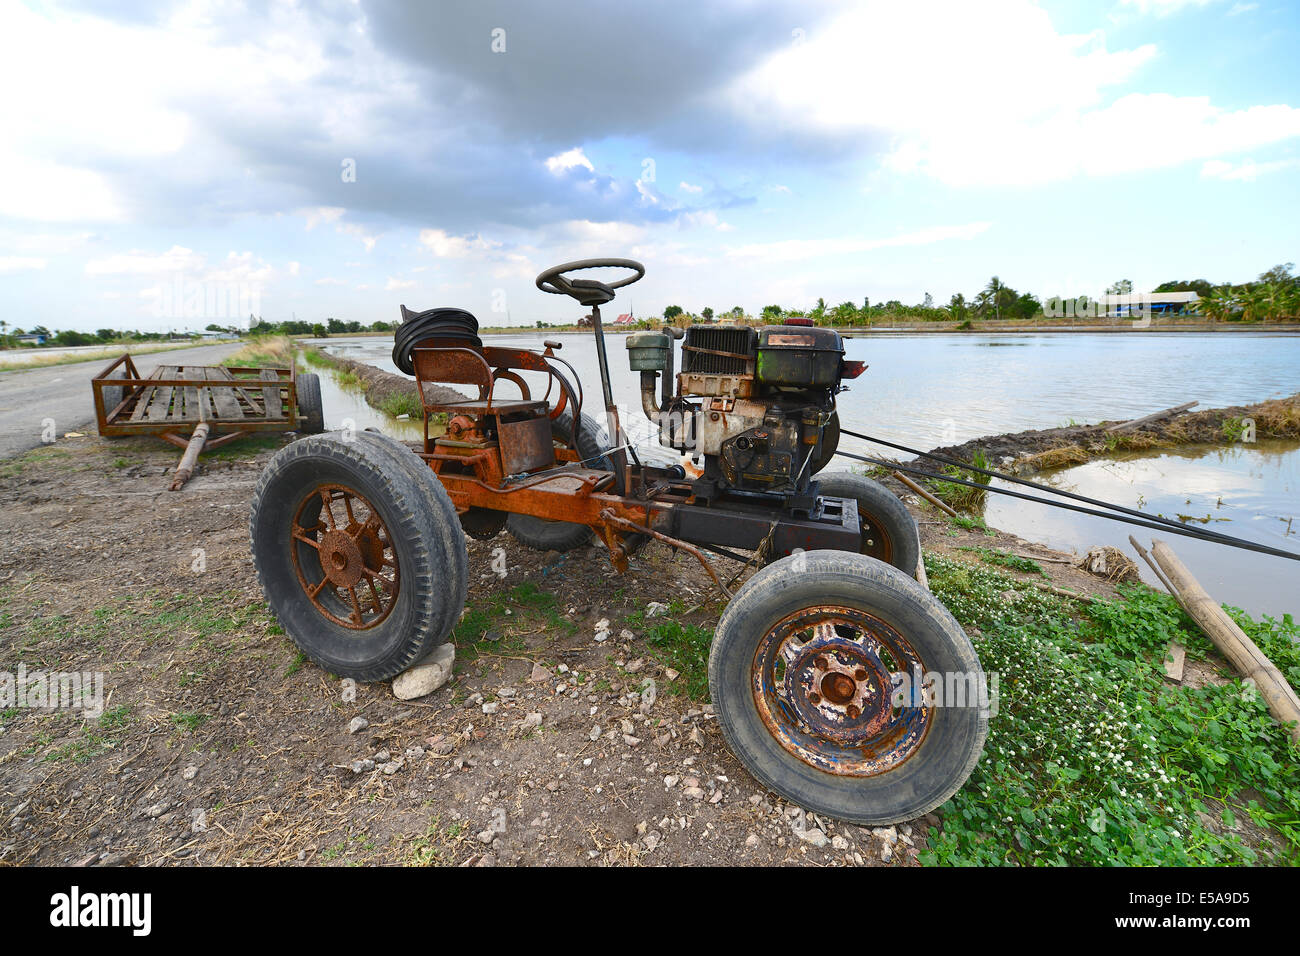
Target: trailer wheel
889,531
310,408
541,534
353,550
821,673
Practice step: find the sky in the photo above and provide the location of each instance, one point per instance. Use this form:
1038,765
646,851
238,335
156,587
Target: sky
166,165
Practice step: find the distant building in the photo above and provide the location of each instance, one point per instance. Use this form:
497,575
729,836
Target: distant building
1153,303
625,319
31,338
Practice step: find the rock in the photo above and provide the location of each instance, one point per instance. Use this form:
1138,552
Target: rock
392,766
839,843
491,708
189,773
357,725
602,630
751,840
671,674
414,753
625,635
695,793
814,836
670,781
886,853
634,667
625,725
594,733
506,692
696,737
540,675
888,834
361,766
651,840
630,740
427,675
655,609
531,721
157,810
649,694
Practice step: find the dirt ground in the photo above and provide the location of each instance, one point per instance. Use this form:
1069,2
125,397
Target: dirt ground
219,744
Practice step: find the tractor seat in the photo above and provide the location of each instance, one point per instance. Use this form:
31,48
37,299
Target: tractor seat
512,406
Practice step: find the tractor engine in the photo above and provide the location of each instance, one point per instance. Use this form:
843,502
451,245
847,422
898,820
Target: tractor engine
757,405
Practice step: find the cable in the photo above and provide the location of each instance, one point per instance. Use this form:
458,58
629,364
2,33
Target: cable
1145,521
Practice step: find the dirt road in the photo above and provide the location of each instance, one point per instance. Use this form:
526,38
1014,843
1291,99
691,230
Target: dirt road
62,393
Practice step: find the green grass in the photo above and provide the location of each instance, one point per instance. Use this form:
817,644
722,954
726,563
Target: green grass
402,403
1092,757
963,497
498,625
1006,559
678,644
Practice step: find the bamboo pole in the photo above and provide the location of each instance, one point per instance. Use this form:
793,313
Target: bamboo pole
1246,658
925,494
1155,416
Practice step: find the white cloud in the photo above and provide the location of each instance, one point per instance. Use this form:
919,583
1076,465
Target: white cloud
792,249
688,188
446,246
570,159
20,264
398,284
1240,8
329,281
1003,98
294,268
1164,7
320,214
1246,171
135,262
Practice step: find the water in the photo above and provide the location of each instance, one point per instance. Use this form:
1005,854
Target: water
1247,491
929,390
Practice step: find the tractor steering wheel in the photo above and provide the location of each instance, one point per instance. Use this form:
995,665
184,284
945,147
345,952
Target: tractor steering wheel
588,291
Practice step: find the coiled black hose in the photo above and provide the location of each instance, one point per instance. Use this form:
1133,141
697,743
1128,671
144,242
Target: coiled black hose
443,323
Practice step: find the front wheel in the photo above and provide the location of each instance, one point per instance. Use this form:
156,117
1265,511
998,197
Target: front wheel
847,688
356,554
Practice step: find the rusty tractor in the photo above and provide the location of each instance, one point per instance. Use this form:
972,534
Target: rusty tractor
828,667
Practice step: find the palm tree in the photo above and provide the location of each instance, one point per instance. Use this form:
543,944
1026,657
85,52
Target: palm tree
957,305
996,293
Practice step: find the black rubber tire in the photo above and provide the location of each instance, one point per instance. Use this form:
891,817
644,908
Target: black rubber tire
541,534
311,410
951,747
830,441
442,516
422,527
879,510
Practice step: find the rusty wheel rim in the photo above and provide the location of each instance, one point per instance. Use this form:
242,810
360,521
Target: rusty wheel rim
876,542
344,557
823,683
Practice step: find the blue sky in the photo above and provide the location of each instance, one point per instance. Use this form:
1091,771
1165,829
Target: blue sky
163,162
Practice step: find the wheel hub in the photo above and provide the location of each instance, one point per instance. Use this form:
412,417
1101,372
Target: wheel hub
823,684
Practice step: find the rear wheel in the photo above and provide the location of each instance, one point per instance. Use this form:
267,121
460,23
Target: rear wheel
844,686
354,554
541,534
889,531
310,408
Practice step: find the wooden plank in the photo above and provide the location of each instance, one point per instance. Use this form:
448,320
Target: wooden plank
224,398
190,412
146,395
271,394
1175,661
162,396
